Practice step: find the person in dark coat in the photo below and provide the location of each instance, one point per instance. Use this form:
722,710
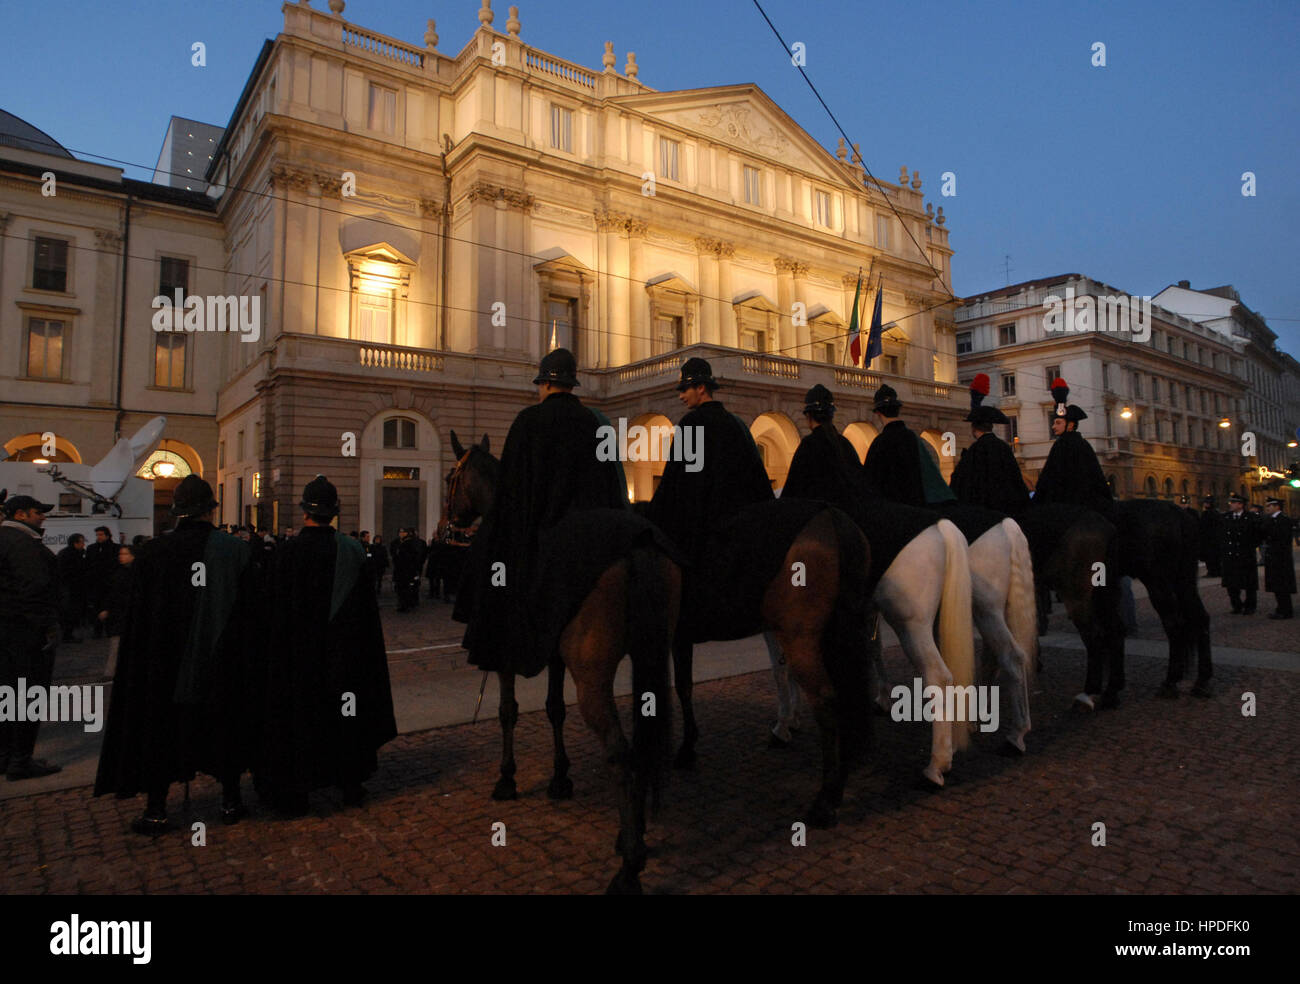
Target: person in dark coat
1238,538
1211,520
379,562
328,701
101,562
73,584
29,626
551,472
987,473
115,601
184,697
824,466
897,468
1279,568
408,561
1071,473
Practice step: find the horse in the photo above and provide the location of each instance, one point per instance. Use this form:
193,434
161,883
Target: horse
1158,545
632,608
911,599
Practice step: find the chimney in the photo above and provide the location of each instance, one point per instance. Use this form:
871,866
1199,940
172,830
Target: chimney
1185,284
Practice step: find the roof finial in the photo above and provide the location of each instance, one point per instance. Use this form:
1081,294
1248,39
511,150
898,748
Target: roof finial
939,218
431,35
630,68
902,171
841,151
336,7
608,58
485,14
512,25
916,180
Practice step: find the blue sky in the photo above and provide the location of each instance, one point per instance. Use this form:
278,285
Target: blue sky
1129,173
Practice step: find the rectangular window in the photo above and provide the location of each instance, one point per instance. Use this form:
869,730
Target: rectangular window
1176,429
1109,423
668,335
753,339
822,203
50,271
669,159
1008,384
1105,376
399,432
1169,343
1173,395
824,352
562,128
891,365
382,115
375,315
1052,373
964,343
753,186
169,359
239,446
1013,428
173,275
561,325
44,348
882,231
1007,334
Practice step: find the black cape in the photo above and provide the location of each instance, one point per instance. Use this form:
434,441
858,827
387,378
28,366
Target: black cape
897,468
549,469
1211,522
689,505
326,641
185,697
825,467
1072,475
987,475
1279,568
1239,535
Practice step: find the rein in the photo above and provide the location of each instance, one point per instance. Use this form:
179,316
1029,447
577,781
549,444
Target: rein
452,483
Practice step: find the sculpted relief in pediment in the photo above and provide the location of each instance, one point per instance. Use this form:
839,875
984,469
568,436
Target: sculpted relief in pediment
740,124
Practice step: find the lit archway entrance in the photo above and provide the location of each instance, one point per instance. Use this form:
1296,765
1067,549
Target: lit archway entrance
777,438
643,476
932,441
401,474
34,447
165,467
860,434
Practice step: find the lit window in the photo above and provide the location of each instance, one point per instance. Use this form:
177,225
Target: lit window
169,359
669,159
562,128
753,187
44,348
383,109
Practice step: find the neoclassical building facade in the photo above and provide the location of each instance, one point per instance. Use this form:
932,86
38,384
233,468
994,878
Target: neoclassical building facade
419,228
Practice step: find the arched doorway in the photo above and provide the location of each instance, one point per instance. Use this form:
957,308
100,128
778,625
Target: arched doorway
777,438
34,447
401,474
643,476
933,441
1151,487
165,467
860,434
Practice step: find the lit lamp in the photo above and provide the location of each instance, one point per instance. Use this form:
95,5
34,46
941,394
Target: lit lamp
164,469
1126,413
40,461
1291,444
1225,422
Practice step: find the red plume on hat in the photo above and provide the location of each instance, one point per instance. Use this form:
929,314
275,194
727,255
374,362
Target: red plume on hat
1060,393
979,388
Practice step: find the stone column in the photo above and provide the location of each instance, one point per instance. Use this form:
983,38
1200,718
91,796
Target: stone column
803,332
636,295
710,316
727,314
615,249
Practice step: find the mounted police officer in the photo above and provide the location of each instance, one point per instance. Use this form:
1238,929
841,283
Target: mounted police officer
516,590
897,467
987,473
824,466
1279,569
1071,473
1238,538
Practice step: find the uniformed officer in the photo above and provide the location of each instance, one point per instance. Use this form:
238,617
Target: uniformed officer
987,473
897,468
1238,537
824,466
408,561
1279,568
1071,473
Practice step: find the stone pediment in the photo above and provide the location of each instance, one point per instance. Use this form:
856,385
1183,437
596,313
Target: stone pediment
745,118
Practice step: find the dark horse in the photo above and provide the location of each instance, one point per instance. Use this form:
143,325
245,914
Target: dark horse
631,609
799,571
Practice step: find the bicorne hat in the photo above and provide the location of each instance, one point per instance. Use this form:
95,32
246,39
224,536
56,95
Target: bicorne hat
980,415
558,367
696,371
818,401
320,498
886,401
193,497
1060,393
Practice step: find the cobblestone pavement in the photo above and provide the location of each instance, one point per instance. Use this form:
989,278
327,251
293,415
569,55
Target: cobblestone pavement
1195,798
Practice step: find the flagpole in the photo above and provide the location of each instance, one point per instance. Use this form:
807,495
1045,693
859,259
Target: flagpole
856,294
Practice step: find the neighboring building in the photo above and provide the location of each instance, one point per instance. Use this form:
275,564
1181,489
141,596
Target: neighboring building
1176,379
1220,309
421,229
187,152
83,253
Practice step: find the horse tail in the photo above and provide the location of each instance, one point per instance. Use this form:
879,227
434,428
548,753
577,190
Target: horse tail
1021,613
651,614
845,640
956,628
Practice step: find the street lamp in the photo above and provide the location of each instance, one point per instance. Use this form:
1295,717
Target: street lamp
1225,422
1126,413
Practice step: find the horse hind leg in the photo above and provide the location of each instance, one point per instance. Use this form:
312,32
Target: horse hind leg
683,660
787,695
508,715
803,655
561,786
999,644
1165,602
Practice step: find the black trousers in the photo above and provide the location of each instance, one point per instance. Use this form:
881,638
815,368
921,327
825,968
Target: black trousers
408,591
23,654
1283,599
1234,596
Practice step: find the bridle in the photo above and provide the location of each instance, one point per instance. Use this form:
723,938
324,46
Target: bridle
453,481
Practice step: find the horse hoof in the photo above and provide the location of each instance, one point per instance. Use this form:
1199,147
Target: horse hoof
1012,749
1202,689
775,741
685,758
625,884
933,776
505,790
1167,690
1083,702
560,788
1109,700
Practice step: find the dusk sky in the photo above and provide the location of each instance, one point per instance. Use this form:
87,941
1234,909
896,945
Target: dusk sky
1130,173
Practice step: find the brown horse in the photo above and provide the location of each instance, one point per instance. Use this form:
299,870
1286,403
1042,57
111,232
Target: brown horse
631,609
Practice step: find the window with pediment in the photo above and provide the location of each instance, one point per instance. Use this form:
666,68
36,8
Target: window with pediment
380,281
674,304
757,320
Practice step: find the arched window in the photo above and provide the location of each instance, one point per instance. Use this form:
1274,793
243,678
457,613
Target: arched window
1151,486
1169,487
399,432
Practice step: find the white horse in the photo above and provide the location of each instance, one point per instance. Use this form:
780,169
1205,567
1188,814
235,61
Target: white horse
1002,608
909,597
